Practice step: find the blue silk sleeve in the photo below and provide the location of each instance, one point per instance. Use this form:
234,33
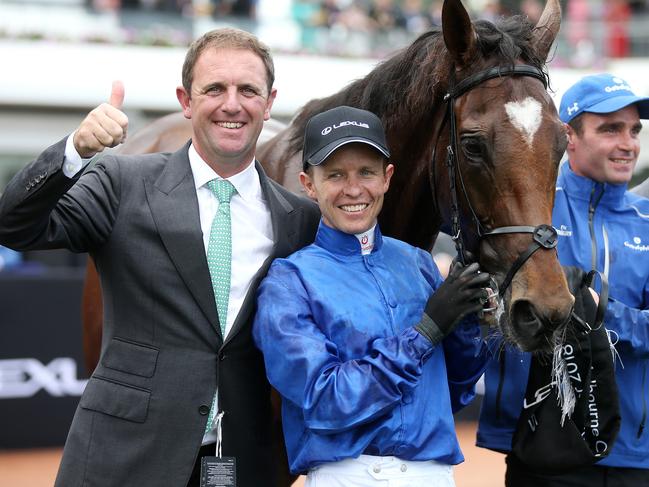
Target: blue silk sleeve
305,367
464,350
466,360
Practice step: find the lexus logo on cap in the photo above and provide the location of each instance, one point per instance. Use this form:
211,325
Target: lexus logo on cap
328,130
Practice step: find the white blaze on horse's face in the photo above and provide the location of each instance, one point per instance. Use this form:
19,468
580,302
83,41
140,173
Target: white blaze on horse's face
525,116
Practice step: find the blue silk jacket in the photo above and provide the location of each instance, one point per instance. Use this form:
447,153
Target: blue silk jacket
336,330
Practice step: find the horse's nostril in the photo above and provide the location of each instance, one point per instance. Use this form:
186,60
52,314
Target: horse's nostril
525,320
531,330
524,313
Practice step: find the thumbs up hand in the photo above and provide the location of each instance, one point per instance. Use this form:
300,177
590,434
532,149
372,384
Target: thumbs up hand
105,126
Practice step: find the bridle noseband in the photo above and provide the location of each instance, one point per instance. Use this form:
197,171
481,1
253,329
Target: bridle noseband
544,236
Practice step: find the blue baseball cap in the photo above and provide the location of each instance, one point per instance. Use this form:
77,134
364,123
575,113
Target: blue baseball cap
600,93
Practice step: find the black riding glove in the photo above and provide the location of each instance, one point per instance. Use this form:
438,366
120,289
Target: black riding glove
585,307
460,294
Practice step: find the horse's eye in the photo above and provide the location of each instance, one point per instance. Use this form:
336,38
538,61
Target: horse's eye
472,147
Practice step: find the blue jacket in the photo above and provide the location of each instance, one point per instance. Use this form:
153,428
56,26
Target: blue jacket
620,225
336,330
9,259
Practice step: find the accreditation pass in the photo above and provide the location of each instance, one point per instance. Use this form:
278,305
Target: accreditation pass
218,472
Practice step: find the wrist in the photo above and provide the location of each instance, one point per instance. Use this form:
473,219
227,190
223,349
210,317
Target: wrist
429,329
82,151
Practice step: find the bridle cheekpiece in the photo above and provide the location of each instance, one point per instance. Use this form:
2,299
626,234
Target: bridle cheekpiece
543,236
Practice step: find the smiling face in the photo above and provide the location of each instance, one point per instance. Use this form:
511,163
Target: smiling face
349,187
607,146
228,104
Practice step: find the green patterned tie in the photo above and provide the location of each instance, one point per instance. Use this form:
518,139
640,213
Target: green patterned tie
219,258
219,249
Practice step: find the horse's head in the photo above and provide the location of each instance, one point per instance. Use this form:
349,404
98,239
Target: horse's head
508,144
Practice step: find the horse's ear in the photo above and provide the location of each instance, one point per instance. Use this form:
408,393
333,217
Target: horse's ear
547,28
459,35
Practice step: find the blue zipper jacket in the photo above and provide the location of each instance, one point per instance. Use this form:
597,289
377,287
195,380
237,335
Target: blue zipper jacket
336,331
605,227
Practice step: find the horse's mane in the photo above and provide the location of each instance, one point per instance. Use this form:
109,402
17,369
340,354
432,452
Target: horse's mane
411,82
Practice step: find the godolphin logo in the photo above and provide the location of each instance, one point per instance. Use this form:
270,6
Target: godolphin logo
636,245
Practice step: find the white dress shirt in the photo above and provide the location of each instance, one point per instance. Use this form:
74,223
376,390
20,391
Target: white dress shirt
252,231
73,162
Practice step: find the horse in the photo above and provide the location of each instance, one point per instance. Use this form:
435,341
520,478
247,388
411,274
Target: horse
476,143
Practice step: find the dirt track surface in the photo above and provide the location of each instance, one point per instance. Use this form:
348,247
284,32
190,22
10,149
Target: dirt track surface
37,468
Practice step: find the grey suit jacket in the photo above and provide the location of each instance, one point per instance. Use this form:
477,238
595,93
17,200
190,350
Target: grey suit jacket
142,416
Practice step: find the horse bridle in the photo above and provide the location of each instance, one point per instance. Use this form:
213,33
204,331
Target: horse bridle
543,236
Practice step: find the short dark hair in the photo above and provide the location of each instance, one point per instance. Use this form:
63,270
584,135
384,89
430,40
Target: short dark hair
577,124
227,38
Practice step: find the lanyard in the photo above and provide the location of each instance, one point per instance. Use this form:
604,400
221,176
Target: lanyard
219,433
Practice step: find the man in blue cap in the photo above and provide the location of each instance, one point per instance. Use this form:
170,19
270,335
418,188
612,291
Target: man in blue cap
601,226
365,343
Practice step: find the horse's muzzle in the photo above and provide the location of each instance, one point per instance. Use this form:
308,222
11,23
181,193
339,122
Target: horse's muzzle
531,330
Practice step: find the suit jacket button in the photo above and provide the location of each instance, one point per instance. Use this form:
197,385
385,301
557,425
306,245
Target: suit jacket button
204,410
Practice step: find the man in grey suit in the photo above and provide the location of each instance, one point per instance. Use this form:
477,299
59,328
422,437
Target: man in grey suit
171,357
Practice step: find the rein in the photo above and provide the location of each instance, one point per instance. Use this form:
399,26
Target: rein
543,236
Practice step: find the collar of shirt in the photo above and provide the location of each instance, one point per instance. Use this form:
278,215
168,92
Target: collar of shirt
245,182
366,240
581,187
344,244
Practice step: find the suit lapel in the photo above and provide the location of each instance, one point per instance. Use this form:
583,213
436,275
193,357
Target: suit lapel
282,214
174,205
285,233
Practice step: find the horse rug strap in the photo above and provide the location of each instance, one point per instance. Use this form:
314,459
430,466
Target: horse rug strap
571,414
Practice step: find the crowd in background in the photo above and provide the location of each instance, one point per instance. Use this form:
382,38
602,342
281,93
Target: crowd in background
412,17
592,29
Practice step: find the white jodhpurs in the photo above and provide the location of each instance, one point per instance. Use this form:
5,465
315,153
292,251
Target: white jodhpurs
372,471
